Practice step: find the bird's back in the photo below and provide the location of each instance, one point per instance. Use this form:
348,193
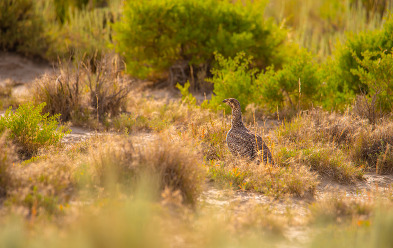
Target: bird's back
243,142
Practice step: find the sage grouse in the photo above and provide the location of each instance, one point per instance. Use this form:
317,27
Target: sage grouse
242,141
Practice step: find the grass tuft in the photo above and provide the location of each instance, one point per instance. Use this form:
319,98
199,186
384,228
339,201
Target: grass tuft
267,179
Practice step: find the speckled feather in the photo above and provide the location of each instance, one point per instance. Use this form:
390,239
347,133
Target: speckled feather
242,141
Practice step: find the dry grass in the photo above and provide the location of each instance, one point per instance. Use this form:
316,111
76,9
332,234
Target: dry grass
169,163
339,208
326,159
323,142
84,92
190,121
373,146
108,85
317,125
139,222
268,179
62,93
100,168
7,158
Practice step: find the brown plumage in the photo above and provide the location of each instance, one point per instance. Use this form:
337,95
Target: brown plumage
242,141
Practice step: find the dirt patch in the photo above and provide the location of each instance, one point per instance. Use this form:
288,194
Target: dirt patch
17,68
20,71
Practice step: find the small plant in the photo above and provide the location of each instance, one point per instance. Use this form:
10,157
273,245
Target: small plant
62,94
234,79
31,130
187,97
108,88
294,87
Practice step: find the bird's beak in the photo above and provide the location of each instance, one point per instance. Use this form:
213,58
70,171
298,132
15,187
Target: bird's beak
225,101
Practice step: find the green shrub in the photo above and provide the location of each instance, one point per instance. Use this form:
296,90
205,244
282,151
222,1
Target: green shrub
156,37
233,79
271,89
295,86
21,28
31,130
347,58
377,76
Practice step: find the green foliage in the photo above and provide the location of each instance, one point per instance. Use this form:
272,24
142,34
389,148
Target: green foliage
296,85
341,76
21,28
269,89
30,129
375,71
186,95
155,35
233,79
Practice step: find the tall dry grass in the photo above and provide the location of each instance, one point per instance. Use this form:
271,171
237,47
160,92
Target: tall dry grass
84,92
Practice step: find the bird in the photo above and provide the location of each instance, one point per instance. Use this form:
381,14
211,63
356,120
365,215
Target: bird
242,141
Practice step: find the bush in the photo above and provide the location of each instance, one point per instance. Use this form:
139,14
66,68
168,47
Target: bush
233,79
21,28
295,86
30,130
83,89
61,94
377,76
347,59
108,88
296,83
161,37
373,147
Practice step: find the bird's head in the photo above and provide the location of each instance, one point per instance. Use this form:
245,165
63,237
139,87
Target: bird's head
232,102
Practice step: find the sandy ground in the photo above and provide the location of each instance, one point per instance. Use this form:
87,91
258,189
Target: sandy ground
20,71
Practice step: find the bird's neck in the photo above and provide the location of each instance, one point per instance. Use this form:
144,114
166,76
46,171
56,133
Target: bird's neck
237,118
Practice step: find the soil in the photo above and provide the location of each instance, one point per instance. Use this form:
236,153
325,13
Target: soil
20,71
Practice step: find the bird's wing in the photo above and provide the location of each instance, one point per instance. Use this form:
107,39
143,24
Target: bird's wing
243,143
261,146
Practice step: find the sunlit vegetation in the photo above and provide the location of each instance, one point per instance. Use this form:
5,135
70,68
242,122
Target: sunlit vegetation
314,79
